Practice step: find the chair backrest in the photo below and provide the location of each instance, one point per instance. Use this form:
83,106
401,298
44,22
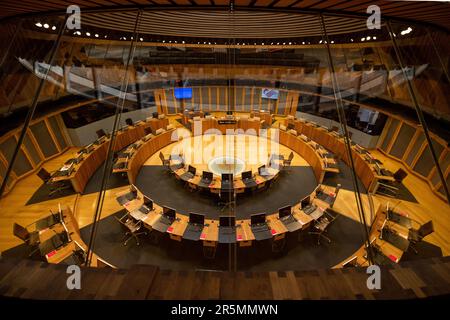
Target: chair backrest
161,156
44,175
400,174
291,156
148,130
100,133
21,232
129,121
426,229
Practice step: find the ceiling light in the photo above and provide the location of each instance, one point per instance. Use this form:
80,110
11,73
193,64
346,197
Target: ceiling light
290,42
96,35
88,34
124,38
38,25
54,28
183,41
351,40
362,39
320,41
142,39
46,26
106,36
368,38
303,42
332,41
374,38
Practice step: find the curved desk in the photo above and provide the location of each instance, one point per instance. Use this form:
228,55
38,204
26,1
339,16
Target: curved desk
79,173
365,170
210,232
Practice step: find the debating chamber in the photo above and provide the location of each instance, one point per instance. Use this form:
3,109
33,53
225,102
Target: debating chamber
224,150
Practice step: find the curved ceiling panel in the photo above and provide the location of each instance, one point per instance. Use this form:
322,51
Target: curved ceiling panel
221,24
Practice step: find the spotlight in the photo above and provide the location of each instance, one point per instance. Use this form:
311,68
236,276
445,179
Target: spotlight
96,35
332,41
142,39
303,42
46,26
374,38
106,36
368,38
320,41
38,25
290,42
351,40
362,39
88,34
54,28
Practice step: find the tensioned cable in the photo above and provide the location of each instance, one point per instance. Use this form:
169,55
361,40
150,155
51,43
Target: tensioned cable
108,162
342,120
33,107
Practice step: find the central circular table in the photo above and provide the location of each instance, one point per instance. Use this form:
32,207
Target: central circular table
226,164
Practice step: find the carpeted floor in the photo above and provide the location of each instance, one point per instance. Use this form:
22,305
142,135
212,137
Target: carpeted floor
165,189
115,181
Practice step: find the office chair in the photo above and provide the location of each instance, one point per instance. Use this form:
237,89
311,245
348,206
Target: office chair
129,121
391,188
100,133
287,162
133,228
30,239
416,235
55,187
228,199
321,225
165,162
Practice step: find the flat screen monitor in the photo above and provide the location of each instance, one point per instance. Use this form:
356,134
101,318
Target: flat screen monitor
169,212
269,93
285,211
258,218
227,177
183,93
261,169
207,175
290,126
246,175
148,202
192,170
196,218
225,221
305,202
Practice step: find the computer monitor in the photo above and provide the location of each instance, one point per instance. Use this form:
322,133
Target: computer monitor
155,115
169,212
129,121
148,202
226,221
261,169
258,218
305,202
100,133
247,175
229,113
196,218
290,126
284,211
207,175
192,169
227,177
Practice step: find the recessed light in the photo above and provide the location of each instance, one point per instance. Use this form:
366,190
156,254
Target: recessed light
374,38
368,38
362,39
54,28
88,34
46,26
96,35
38,25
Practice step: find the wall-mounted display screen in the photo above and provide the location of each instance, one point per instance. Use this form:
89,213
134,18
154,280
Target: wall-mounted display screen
269,93
183,93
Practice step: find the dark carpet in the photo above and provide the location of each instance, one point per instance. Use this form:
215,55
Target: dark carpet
114,181
345,233
165,189
344,177
42,194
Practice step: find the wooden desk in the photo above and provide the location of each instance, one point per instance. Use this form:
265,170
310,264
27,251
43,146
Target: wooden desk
84,170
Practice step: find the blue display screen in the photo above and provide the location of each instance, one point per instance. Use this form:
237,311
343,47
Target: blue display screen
183,93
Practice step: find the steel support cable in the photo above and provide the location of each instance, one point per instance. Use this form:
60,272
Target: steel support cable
109,155
342,120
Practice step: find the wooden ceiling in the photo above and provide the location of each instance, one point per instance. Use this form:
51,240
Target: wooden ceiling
436,13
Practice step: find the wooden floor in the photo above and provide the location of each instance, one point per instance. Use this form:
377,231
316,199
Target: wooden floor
28,279
13,207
